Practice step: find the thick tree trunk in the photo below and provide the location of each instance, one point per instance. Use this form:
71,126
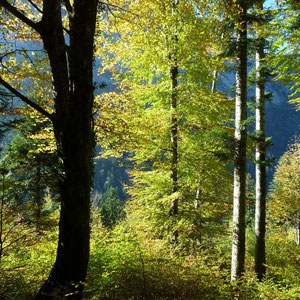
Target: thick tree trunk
260,170
73,130
71,67
239,194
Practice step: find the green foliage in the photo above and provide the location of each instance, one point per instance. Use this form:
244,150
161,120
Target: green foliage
28,208
136,119
33,171
108,174
126,266
111,209
283,258
27,265
285,198
132,256
283,262
284,32
122,266
7,122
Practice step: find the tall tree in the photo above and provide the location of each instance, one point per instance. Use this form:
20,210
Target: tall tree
174,117
260,154
71,62
177,138
240,134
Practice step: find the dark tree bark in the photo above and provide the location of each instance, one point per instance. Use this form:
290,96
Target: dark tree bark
73,83
260,169
74,134
174,136
174,124
239,194
174,118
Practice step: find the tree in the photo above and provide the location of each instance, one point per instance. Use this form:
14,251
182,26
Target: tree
285,195
111,209
176,138
284,35
239,185
174,70
70,55
33,168
260,156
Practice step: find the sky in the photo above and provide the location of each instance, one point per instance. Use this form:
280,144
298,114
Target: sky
268,3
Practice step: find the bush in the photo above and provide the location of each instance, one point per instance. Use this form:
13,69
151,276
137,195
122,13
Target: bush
124,267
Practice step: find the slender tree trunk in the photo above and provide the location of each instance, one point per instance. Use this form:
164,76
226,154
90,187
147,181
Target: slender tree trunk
73,83
214,81
198,200
174,136
38,196
260,169
174,119
174,145
2,213
173,72
297,231
239,194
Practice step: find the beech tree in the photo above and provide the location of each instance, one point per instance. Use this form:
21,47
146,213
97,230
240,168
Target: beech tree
166,115
174,69
65,30
260,154
240,134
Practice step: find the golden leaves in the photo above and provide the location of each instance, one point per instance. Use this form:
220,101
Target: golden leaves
285,197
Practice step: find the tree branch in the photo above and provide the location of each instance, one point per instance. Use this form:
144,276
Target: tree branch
19,15
35,6
108,5
26,100
68,6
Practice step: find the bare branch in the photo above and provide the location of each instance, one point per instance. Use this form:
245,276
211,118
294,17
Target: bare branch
26,100
19,15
